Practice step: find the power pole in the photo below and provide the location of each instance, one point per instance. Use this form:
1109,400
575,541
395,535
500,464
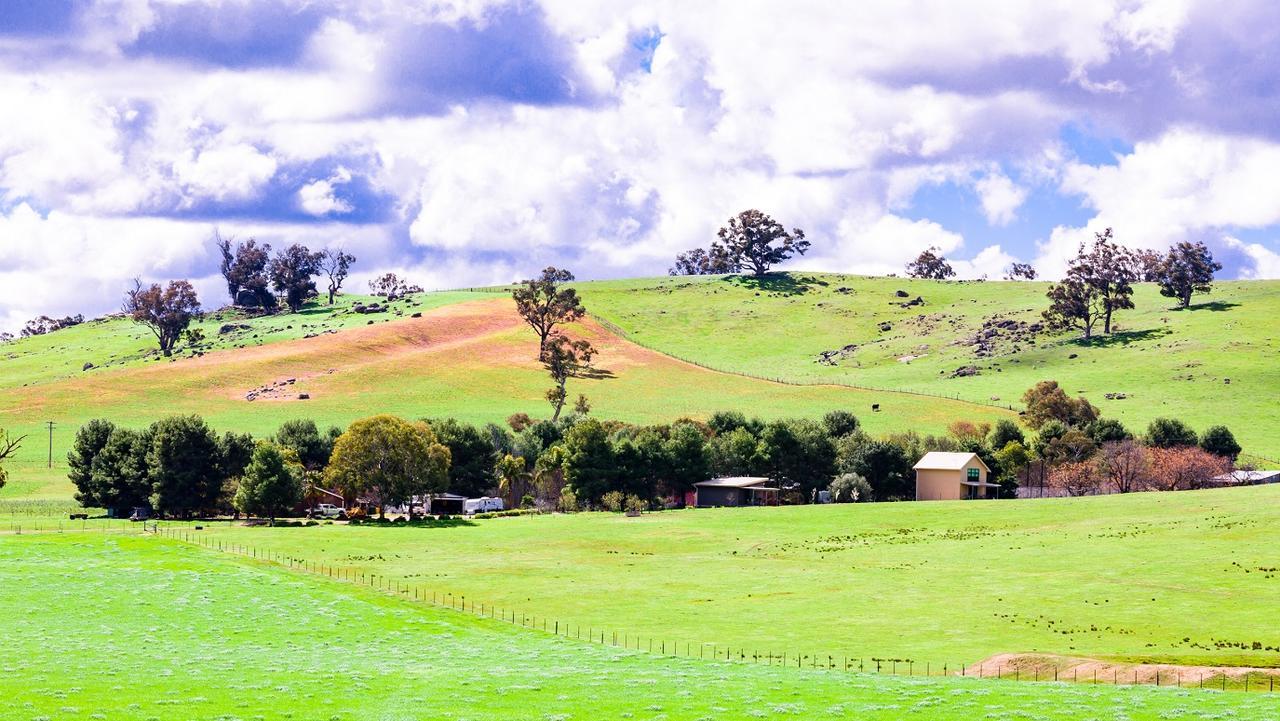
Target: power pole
50,424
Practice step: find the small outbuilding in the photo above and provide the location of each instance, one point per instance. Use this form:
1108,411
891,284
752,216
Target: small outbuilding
952,476
1243,478
736,491
443,504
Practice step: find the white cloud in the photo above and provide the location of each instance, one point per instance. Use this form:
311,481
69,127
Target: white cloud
883,245
1000,197
317,197
1266,262
225,172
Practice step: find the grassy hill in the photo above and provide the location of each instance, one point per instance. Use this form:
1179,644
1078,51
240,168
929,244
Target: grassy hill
1212,363
1183,578
160,626
468,356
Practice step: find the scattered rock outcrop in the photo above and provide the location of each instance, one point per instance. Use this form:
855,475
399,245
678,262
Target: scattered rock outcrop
833,357
999,335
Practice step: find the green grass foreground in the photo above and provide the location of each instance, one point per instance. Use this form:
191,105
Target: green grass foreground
1213,363
1184,578
130,627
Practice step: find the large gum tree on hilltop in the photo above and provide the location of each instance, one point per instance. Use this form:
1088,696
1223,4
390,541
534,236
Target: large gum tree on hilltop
751,240
755,241
544,303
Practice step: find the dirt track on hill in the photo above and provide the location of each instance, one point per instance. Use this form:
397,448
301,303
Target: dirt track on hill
1029,666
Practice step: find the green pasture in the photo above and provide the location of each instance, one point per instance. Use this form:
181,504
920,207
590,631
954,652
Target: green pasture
1185,578
1212,363
128,627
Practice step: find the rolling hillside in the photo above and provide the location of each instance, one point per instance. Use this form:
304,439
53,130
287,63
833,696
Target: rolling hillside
1215,362
469,356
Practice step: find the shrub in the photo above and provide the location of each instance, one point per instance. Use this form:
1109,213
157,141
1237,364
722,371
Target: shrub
568,500
1170,433
1219,441
850,488
635,504
840,423
1076,478
613,501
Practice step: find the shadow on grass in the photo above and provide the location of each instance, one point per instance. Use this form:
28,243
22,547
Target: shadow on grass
782,283
1217,306
1122,338
595,374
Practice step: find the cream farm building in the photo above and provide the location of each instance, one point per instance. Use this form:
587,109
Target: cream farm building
952,477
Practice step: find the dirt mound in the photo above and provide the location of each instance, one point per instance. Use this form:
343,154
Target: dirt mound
1050,667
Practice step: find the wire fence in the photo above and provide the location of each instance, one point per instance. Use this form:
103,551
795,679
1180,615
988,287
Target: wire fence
1252,680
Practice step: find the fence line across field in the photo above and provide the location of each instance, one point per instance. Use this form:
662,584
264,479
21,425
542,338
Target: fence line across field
1250,681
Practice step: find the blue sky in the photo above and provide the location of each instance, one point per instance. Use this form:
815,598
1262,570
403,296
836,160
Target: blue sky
477,141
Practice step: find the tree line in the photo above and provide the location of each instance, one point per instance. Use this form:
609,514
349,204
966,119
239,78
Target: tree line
1077,452
180,467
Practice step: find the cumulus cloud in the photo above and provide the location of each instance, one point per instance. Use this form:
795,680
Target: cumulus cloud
883,245
318,198
1000,197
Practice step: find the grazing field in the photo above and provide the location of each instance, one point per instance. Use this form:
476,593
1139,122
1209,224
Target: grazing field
1185,578
163,629
1212,363
471,357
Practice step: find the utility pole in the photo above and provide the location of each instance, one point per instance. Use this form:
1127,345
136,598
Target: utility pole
50,424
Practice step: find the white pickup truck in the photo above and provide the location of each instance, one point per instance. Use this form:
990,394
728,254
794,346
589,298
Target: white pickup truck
327,510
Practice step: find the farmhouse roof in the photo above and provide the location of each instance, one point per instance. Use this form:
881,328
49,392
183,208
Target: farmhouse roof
1248,477
736,482
940,461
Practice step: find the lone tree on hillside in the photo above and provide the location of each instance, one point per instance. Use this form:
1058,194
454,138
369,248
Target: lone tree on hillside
270,486
1112,270
167,312
1187,269
391,458
544,303
749,240
8,446
336,265
1098,283
245,271
1020,271
756,241
564,358
931,265
293,273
